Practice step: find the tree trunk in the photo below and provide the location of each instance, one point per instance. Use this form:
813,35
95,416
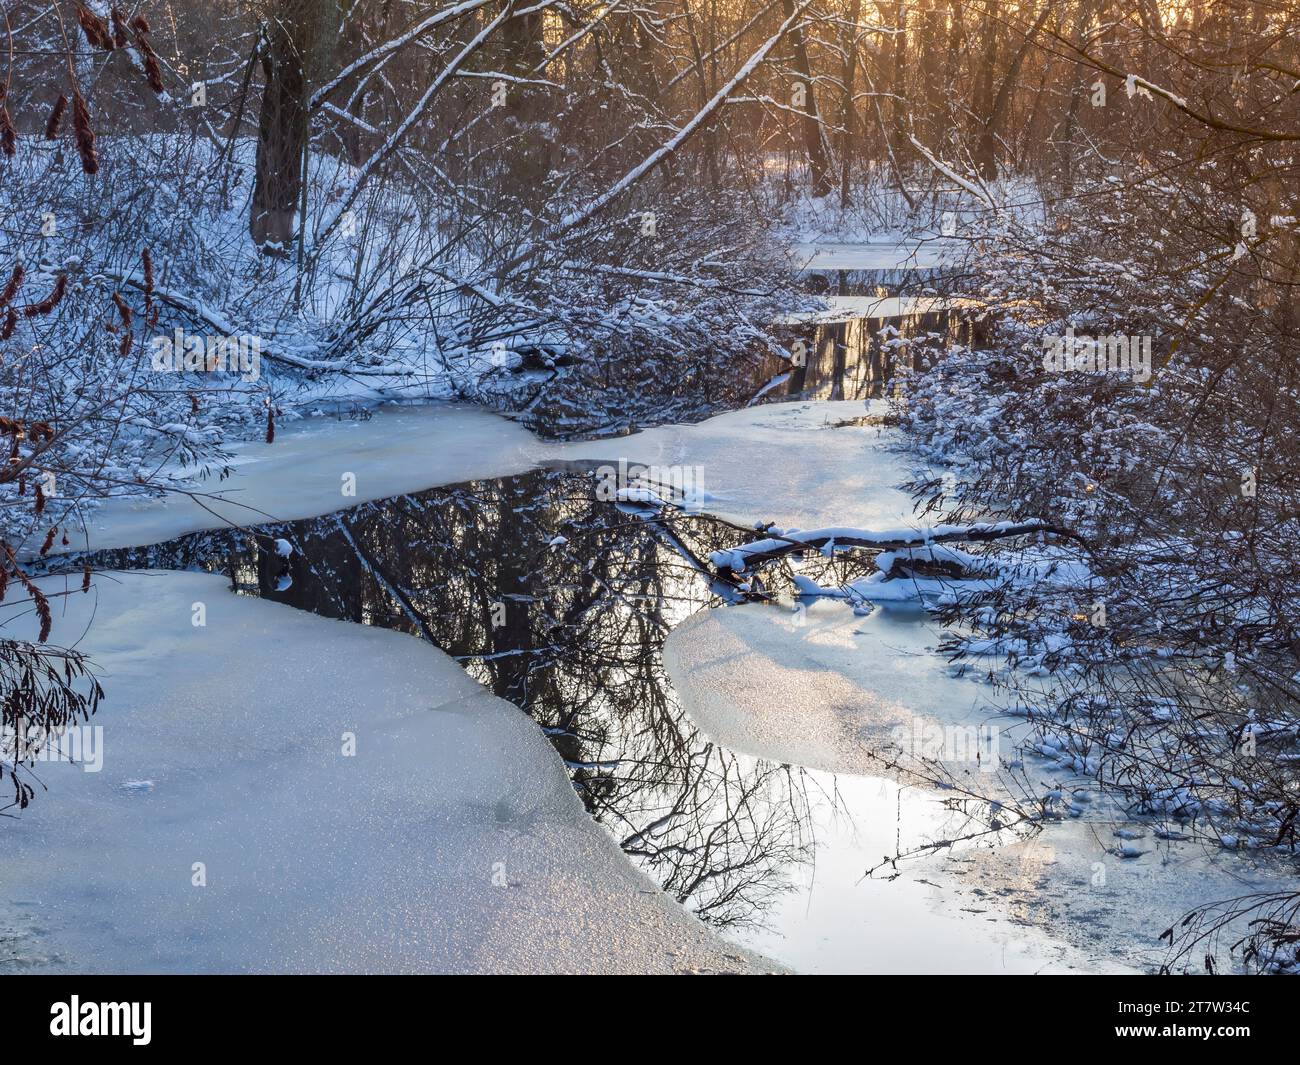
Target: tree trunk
898,82
848,116
709,157
819,168
952,64
1065,148
521,40
986,153
295,31
929,49
982,105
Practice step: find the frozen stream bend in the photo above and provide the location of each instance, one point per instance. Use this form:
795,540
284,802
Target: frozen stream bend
812,697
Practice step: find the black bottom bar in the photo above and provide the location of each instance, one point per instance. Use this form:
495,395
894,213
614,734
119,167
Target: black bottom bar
343,1012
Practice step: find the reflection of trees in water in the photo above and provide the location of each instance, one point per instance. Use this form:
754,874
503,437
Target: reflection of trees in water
571,632
860,358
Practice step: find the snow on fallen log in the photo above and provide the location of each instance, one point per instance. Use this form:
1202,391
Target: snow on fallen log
934,572
828,541
942,574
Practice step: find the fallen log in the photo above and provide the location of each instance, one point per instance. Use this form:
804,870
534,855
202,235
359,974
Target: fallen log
827,541
222,326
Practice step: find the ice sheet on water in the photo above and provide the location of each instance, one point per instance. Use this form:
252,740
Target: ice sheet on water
320,465
451,840
757,464
822,688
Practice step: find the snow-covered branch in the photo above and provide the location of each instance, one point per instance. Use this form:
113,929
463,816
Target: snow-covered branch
829,540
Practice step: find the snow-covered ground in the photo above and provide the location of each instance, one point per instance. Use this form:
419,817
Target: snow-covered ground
319,465
817,686
228,830
798,463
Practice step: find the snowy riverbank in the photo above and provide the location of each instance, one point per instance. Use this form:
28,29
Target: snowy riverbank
451,840
773,462
319,465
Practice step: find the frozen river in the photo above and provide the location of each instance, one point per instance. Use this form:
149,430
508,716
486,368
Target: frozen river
742,755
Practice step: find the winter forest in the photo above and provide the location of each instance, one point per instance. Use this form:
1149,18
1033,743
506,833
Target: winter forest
650,486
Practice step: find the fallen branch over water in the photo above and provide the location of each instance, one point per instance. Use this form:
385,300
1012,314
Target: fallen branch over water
827,541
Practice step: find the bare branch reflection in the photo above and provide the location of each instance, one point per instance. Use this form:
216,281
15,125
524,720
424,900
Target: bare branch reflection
559,604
